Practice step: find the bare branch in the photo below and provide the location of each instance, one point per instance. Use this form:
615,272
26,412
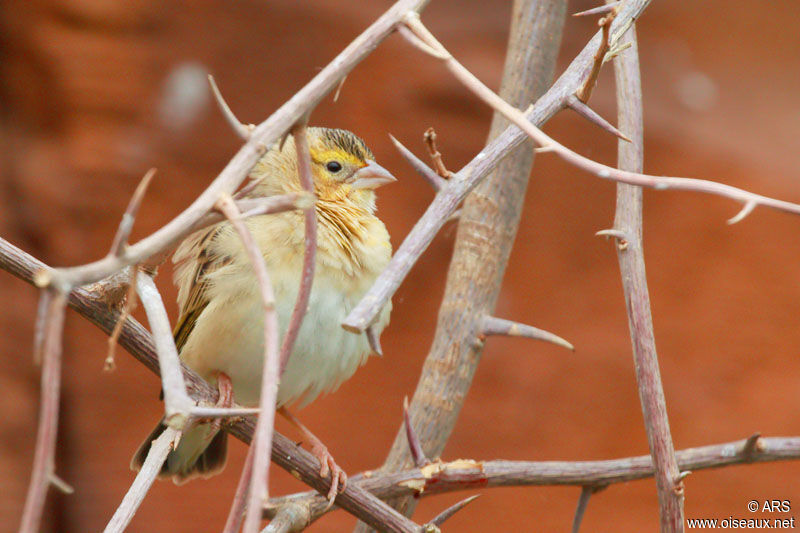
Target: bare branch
424,170
238,127
440,478
259,479
469,176
177,404
44,456
120,241
139,342
262,137
310,253
628,219
500,326
234,522
130,304
159,450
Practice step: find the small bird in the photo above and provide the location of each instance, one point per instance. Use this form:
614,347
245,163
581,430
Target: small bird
220,331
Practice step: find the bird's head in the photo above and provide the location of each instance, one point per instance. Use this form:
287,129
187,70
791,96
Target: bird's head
342,166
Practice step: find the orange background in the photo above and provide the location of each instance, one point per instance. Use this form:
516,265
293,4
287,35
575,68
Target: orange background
85,110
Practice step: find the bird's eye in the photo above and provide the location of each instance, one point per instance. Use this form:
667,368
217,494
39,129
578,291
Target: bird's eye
334,166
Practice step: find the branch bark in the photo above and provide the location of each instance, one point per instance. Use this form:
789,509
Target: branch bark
439,478
628,220
486,232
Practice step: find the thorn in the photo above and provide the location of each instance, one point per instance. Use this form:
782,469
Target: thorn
621,236
751,445
500,326
681,476
128,218
239,128
339,88
589,114
601,10
374,341
413,441
60,484
453,509
544,149
583,502
424,170
746,210
283,141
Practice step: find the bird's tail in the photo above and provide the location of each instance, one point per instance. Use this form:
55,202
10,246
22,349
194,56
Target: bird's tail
201,452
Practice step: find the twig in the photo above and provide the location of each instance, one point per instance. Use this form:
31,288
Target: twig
484,238
141,484
44,456
127,308
440,478
289,518
585,91
40,326
259,479
139,342
234,173
177,404
436,181
239,504
468,177
310,253
436,156
628,219
238,127
126,224
500,326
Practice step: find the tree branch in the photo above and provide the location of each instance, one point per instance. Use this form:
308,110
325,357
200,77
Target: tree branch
486,232
628,220
93,303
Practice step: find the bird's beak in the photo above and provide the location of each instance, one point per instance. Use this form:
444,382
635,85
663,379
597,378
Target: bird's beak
371,176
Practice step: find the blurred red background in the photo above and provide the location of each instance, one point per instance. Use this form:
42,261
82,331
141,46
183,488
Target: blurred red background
94,93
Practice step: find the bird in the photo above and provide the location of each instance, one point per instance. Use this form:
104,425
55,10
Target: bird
219,333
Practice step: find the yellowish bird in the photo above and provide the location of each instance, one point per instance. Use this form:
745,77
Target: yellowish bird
220,330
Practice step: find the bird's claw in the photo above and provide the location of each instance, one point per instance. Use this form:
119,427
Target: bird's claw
328,466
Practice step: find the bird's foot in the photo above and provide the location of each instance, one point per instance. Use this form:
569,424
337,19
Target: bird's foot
326,463
328,466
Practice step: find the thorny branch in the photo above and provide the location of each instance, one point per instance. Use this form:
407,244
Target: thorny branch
43,472
259,477
628,220
93,303
442,477
59,282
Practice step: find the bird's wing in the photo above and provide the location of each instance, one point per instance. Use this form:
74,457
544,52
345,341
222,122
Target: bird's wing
195,259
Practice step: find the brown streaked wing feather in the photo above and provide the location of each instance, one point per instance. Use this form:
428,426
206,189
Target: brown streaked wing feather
196,253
